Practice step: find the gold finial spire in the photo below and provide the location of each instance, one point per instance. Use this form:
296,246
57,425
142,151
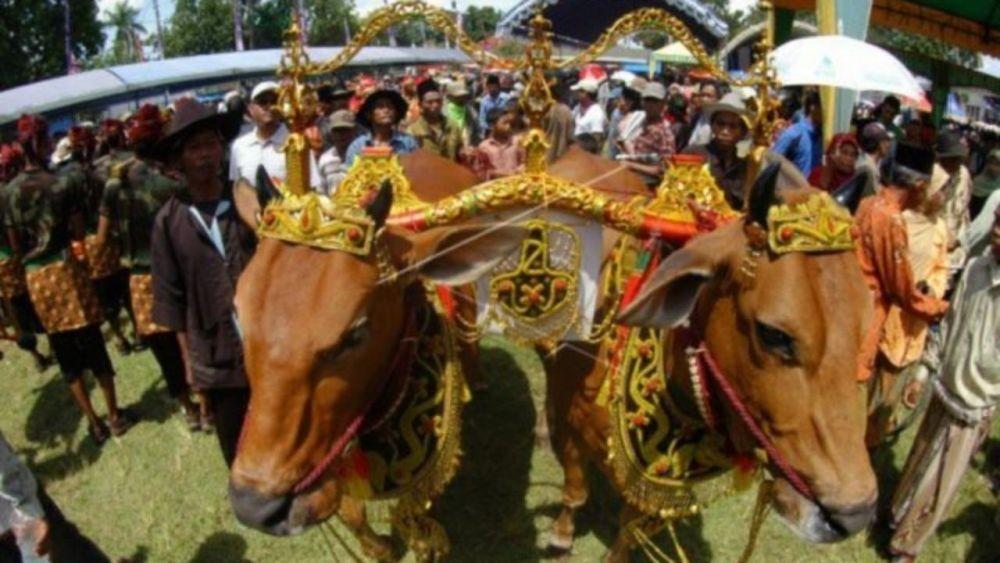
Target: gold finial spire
297,104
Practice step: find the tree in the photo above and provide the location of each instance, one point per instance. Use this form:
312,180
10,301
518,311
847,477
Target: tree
126,47
921,45
331,22
480,23
198,27
33,41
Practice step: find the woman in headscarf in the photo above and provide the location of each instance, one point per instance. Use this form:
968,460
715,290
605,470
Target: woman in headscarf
838,167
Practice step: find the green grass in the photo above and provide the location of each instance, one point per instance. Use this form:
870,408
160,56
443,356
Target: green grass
159,493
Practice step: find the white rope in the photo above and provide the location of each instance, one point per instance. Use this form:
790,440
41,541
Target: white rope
420,263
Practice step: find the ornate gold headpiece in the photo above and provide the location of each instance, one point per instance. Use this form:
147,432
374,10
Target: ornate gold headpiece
688,180
817,224
313,220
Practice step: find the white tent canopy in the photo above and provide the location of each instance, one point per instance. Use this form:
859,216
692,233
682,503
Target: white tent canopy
675,53
122,82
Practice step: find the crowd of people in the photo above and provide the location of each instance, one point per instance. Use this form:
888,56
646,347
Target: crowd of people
130,222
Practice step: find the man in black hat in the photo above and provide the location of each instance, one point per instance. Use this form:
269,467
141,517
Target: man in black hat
381,114
431,130
199,248
875,147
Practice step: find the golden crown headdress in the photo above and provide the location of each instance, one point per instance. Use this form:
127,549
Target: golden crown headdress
818,224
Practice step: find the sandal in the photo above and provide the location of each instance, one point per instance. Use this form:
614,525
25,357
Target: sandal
120,425
98,433
193,420
208,424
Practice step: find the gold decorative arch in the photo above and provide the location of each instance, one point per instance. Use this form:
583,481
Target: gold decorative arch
298,102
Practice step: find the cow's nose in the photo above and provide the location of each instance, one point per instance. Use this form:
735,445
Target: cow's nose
265,513
852,519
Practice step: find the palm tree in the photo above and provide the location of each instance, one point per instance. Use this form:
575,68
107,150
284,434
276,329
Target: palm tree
124,19
238,23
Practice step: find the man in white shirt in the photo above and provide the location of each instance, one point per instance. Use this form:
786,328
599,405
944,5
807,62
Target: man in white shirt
265,144
965,362
588,115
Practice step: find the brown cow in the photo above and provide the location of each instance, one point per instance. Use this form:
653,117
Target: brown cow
788,343
319,330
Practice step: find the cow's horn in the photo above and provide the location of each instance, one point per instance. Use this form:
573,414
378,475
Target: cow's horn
849,194
378,208
762,194
266,190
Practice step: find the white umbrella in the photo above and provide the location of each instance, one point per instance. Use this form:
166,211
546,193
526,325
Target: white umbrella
844,62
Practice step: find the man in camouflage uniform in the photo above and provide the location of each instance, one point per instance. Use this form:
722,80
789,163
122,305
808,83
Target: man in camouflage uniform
17,305
109,276
134,193
44,226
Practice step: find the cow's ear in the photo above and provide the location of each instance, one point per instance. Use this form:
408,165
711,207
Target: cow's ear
454,255
670,295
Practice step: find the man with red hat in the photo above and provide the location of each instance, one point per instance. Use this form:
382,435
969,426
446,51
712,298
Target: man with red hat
13,288
44,225
134,193
106,270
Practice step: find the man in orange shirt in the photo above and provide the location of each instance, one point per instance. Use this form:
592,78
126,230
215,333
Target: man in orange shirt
882,250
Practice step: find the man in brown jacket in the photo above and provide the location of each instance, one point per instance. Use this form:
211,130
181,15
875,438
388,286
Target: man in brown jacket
199,249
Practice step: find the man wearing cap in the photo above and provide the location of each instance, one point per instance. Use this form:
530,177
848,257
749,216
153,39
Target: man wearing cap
494,98
965,362
380,115
332,166
875,145
951,153
802,143
882,250
729,120
655,142
459,112
199,248
44,227
134,193
263,145
588,115
431,130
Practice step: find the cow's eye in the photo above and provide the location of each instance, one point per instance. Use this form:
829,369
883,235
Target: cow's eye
357,334
776,341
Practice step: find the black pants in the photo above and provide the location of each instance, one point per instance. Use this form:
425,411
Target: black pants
79,350
229,406
113,293
27,321
167,352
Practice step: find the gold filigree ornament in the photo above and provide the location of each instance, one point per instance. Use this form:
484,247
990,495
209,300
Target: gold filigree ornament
374,166
688,180
535,292
313,220
817,224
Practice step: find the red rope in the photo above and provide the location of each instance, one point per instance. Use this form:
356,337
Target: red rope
732,396
402,360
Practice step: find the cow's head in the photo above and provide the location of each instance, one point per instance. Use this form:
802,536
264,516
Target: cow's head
789,342
320,329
